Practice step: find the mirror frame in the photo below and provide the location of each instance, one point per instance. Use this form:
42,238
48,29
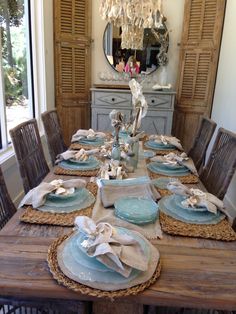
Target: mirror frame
159,65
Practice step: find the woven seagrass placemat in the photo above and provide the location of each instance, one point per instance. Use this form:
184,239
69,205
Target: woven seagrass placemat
59,276
163,192
189,179
221,231
34,216
85,173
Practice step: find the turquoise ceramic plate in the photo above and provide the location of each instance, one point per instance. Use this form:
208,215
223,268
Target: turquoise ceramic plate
162,182
171,205
96,141
160,168
82,199
52,196
87,268
154,145
89,161
137,210
148,154
67,164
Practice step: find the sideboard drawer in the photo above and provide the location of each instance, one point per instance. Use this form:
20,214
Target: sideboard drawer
159,101
110,98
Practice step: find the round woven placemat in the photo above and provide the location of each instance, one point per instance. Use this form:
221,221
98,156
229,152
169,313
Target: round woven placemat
77,287
34,216
189,179
163,192
221,231
80,173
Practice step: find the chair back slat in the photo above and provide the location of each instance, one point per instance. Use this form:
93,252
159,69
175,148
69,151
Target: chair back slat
29,153
221,165
7,208
201,142
53,134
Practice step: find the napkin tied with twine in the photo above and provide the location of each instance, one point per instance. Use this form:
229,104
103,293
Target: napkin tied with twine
80,155
174,159
197,198
89,134
37,196
119,252
161,139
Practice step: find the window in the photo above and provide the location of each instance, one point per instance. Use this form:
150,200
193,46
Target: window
16,94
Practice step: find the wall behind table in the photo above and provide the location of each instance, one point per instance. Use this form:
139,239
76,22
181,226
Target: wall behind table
173,10
224,103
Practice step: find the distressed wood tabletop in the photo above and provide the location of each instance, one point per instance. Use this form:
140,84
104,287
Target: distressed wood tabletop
195,272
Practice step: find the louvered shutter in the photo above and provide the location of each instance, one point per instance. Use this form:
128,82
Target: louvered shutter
72,63
202,30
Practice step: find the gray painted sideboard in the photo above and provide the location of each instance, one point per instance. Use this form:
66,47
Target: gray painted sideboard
157,121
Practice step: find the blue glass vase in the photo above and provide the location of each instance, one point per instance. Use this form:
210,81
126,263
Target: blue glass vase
115,153
133,161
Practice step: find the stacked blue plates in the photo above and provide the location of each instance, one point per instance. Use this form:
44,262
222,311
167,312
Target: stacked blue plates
137,210
80,199
168,169
91,164
95,141
171,206
88,269
158,146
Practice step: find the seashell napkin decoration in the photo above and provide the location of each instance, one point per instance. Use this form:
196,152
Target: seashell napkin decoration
81,155
196,198
119,252
113,169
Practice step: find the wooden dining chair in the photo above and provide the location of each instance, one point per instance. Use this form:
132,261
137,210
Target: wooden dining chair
204,135
220,167
53,134
7,208
29,153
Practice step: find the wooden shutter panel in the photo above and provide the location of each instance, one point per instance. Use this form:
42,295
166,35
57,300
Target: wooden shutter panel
72,63
202,30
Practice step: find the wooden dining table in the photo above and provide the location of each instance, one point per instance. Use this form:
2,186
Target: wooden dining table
196,273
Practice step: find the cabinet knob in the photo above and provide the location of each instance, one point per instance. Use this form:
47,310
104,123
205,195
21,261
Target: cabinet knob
153,101
113,99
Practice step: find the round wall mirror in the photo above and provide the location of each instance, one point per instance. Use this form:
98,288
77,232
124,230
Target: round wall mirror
145,61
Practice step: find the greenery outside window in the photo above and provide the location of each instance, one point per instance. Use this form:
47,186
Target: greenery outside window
16,73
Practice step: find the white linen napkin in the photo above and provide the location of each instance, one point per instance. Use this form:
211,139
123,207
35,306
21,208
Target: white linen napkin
110,192
89,134
174,159
196,198
37,196
119,252
164,139
76,154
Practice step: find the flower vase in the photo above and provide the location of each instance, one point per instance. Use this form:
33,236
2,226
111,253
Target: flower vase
163,76
133,160
115,153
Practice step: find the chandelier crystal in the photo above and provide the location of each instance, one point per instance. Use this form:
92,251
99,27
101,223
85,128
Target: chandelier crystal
133,16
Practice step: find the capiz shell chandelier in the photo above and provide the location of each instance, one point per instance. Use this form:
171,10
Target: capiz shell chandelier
132,16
